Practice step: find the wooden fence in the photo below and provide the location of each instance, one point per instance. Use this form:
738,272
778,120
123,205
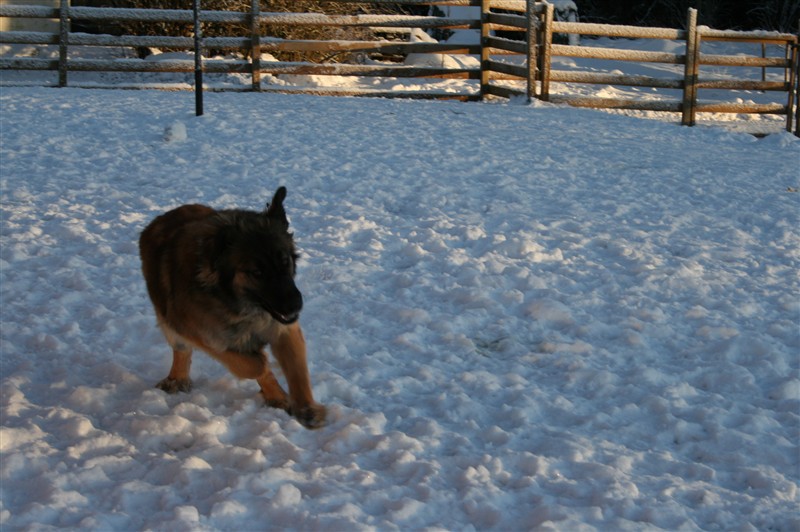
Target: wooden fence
255,44
516,51
540,49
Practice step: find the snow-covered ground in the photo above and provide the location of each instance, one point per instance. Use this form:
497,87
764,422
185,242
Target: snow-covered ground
521,317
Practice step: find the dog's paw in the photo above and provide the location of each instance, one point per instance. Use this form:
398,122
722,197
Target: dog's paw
311,416
170,385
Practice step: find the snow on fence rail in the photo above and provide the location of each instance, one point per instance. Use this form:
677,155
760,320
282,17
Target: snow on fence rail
507,28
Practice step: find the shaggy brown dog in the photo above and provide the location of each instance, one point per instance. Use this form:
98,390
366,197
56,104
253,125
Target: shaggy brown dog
223,281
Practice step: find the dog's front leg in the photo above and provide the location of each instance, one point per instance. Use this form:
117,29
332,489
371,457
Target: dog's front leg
289,348
243,365
255,366
273,394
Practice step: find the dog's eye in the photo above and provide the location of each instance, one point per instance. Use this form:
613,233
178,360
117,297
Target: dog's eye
253,272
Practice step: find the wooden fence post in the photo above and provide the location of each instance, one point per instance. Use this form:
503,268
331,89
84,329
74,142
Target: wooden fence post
691,69
255,43
198,61
794,91
63,41
533,36
793,51
486,6
547,42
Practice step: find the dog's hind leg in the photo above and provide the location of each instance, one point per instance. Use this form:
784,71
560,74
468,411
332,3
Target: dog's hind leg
289,349
178,379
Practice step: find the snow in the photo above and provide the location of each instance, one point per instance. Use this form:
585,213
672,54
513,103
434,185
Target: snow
519,317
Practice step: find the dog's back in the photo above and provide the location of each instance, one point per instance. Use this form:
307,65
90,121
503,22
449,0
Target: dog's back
156,241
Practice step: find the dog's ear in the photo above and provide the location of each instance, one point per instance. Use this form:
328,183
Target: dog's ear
275,209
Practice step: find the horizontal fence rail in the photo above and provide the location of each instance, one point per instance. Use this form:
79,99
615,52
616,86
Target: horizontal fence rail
514,54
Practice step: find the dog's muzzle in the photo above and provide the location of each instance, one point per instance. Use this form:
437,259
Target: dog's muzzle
288,310
285,319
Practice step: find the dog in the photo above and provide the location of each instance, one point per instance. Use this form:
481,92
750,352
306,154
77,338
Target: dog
223,281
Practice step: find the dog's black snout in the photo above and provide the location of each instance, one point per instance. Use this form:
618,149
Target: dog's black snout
294,301
289,302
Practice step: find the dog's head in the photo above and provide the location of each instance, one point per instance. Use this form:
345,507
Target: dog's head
255,259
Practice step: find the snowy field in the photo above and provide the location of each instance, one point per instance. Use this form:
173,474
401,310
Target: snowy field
521,317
